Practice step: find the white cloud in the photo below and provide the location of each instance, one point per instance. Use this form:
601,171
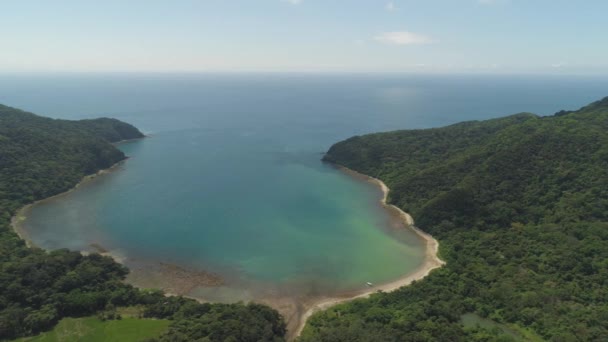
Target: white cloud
390,6
293,2
403,38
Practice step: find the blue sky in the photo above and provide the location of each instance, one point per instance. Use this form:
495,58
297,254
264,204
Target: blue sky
495,36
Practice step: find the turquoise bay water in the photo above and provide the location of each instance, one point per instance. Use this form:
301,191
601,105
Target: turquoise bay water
230,180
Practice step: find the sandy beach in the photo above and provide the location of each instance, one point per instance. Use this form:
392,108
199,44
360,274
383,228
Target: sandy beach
177,280
431,262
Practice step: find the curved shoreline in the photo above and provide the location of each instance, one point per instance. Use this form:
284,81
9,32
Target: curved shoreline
20,215
298,311
431,262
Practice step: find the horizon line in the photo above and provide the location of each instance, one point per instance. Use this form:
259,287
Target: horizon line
313,72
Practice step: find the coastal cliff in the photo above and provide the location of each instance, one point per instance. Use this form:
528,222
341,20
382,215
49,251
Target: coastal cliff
520,208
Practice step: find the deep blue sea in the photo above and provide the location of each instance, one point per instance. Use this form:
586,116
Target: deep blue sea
230,179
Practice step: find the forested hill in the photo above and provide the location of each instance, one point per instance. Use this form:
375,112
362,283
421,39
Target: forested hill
41,157
520,208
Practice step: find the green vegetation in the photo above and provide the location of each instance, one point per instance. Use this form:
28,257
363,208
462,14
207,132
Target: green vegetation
516,333
92,329
41,157
520,207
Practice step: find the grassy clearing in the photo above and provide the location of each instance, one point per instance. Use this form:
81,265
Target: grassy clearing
516,333
91,329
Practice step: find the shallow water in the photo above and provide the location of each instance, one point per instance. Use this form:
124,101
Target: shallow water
230,180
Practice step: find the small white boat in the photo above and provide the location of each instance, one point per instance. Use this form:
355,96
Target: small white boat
369,284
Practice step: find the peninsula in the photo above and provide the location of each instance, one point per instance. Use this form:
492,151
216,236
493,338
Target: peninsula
42,157
520,208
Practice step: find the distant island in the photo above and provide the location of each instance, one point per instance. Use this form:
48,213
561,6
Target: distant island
42,157
520,208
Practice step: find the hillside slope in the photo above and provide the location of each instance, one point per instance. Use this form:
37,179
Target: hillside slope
42,157
520,207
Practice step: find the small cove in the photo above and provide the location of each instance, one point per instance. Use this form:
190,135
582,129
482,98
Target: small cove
251,246
228,200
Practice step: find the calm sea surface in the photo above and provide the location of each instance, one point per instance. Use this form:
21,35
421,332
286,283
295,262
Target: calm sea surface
230,180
